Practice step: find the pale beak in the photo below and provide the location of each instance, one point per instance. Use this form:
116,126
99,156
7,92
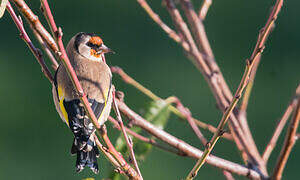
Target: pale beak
104,49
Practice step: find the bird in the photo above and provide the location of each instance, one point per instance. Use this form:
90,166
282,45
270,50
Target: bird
86,54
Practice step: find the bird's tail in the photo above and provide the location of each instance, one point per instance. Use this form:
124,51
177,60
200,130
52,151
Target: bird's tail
86,156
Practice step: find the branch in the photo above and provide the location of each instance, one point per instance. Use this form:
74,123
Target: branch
184,147
279,128
128,141
204,9
129,80
192,123
123,165
23,35
245,79
171,33
289,141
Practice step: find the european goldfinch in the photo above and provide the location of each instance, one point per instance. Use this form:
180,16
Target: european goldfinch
85,51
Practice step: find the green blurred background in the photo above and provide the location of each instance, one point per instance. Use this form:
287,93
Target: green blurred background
34,143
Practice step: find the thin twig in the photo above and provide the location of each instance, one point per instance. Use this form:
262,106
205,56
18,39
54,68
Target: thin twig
35,23
271,145
228,175
249,65
188,116
105,151
183,146
53,61
129,143
49,17
288,142
245,100
197,28
204,9
171,33
36,52
125,167
129,80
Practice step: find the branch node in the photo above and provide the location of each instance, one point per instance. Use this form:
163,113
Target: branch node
120,95
208,145
221,132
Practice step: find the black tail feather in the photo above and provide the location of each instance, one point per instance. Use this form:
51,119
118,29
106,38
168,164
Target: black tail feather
86,156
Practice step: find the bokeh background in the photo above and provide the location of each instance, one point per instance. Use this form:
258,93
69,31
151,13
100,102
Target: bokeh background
34,143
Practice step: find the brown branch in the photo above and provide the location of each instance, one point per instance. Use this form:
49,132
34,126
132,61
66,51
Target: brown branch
197,28
204,9
129,80
52,59
288,142
124,166
35,23
36,52
128,141
171,33
245,101
105,151
271,145
184,147
188,116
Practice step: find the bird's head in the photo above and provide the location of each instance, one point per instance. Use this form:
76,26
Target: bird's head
90,46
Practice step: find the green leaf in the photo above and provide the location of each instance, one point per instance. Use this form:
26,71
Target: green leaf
3,4
157,113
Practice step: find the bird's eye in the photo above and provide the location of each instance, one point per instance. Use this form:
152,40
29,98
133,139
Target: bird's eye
92,45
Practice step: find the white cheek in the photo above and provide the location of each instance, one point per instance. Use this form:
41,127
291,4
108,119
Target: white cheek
93,58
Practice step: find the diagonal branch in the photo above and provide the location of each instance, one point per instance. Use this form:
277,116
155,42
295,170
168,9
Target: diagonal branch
188,116
127,140
288,142
280,127
36,52
204,9
171,33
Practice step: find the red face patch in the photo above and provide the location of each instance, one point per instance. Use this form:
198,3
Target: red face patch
94,53
96,40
